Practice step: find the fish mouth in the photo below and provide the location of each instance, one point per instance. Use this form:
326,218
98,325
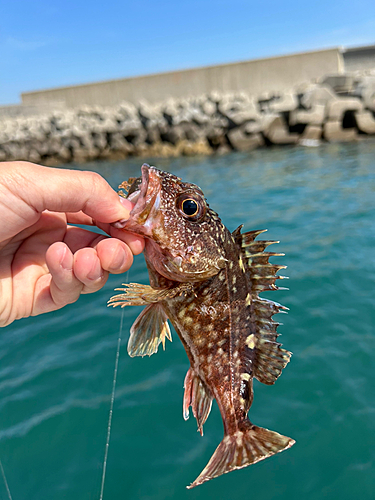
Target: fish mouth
144,193
138,191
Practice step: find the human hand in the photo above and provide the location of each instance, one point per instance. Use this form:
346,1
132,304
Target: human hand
45,263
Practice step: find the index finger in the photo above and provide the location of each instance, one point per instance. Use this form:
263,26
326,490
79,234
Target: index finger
29,189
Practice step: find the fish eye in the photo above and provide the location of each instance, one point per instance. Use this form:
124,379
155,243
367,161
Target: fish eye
190,207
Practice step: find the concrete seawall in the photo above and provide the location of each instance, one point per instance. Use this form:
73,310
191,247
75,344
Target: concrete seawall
275,74
338,108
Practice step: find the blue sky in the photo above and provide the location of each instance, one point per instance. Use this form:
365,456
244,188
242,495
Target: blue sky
55,43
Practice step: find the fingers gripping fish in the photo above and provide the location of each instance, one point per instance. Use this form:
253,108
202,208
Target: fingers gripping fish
207,281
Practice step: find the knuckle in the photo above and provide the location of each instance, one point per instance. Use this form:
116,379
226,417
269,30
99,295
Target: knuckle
95,180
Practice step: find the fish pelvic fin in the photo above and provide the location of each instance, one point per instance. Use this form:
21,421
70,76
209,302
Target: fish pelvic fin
196,396
241,449
148,331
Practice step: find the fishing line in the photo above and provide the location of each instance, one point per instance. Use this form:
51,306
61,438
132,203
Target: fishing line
5,481
111,407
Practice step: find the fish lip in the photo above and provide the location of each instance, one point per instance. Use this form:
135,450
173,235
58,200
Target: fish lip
139,196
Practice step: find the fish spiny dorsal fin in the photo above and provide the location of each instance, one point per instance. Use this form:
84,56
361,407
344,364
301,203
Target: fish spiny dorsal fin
270,358
261,273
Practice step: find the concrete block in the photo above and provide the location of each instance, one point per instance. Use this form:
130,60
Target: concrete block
119,143
368,95
174,134
286,102
41,147
80,155
312,133
64,154
192,132
15,150
333,132
365,122
170,111
317,94
199,117
240,141
215,136
137,137
336,108
265,101
153,135
34,156
85,138
131,126
99,140
278,133
313,116
209,107
238,111
253,126
127,110
340,82
223,149
265,121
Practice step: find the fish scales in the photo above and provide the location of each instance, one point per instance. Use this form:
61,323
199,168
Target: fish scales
206,281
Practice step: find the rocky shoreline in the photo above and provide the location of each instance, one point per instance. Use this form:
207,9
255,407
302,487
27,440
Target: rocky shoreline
338,108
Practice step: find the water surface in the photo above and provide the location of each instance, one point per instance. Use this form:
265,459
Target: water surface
56,370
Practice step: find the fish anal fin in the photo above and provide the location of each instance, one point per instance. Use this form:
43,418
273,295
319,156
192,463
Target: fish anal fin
198,398
149,330
243,448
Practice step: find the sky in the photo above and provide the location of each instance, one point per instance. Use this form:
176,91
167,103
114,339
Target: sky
46,43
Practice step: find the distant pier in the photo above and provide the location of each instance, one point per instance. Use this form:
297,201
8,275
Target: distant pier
294,99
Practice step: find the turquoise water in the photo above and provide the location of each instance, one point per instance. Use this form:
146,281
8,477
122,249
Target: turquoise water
56,370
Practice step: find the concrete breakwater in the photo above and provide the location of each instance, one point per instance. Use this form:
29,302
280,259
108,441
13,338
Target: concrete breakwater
339,108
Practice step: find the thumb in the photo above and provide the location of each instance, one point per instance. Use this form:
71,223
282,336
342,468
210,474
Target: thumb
29,189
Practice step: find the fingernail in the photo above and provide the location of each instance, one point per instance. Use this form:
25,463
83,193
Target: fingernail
119,224
126,203
96,272
66,261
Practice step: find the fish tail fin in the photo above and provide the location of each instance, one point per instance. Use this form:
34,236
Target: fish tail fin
242,449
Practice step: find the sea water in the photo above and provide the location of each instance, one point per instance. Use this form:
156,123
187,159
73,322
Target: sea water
56,370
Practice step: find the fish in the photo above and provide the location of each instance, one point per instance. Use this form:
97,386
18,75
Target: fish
206,281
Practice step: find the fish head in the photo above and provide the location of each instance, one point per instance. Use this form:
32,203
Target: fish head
183,235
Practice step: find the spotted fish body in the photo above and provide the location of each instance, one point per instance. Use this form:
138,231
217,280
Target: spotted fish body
207,281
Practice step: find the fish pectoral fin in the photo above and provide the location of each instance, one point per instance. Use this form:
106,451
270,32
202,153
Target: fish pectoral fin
149,330
141,295
243,448
197,397
137,295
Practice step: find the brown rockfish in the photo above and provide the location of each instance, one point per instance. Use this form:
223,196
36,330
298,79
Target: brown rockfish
206,281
